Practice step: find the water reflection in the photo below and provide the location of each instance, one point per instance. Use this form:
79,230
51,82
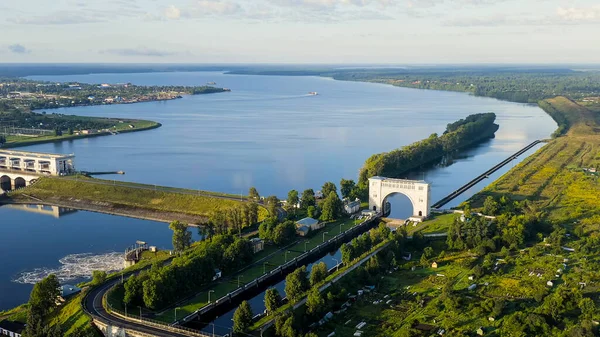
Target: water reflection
53,211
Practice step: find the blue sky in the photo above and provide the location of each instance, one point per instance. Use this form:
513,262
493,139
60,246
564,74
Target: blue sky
301,31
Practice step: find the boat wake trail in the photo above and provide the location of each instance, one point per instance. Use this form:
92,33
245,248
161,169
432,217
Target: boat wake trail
74,266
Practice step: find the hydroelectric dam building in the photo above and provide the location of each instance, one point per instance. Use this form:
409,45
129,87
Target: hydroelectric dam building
20,168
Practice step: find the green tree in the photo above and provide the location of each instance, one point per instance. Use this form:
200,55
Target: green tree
238,254
346,187
311,211
284,233
134,290
272,204
182,237
57,132
44,294
490,206
314,302
292,199
347,253
253,193
266,228
318,273
70,131
284,326
272,300
296,283
587,307
328,187
307,199
428,252
242,318
98,276
331,208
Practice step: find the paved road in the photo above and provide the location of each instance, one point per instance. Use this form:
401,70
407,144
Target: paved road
92,304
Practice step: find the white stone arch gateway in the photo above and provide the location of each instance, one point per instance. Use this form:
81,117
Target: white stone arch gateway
416,190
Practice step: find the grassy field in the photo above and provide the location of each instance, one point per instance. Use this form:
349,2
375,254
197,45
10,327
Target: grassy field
555,177
143,197
15,314
438,223
72,318
265,261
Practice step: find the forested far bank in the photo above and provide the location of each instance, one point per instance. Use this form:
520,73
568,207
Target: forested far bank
458,135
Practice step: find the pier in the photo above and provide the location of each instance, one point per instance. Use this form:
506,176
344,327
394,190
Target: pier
484,175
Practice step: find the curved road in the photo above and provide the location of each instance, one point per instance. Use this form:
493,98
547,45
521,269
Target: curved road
92,304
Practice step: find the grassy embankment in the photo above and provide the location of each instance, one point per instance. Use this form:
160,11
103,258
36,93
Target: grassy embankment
554,178
120,126
138,200
69,315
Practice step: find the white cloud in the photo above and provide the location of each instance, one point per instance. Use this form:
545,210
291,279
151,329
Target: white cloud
332,3
141,51
172,12
18,49
216,7
579,14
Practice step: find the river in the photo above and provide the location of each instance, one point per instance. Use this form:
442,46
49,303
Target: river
268,133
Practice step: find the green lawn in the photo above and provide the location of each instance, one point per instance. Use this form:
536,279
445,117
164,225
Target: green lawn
438,223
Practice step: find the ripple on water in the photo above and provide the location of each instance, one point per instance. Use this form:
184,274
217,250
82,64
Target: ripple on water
74,266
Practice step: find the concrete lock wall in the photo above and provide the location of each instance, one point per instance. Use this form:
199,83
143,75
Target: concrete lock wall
417,191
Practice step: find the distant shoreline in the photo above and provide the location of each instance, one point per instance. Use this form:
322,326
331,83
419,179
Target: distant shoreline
57,139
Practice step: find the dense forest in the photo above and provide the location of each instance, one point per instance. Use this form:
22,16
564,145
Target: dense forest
523,87
459,134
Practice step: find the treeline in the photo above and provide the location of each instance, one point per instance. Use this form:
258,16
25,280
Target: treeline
457,135
231,220
55,121
162,285
525,86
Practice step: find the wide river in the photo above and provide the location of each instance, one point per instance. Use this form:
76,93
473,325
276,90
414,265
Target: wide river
266,133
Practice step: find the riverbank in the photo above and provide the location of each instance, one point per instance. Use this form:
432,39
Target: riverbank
121,126
141,201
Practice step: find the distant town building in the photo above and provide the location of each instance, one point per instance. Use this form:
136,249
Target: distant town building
14,94
11,328
257,244
434,265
